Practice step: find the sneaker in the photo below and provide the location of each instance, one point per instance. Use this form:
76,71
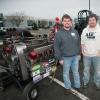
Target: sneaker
79,89
67,91
97,87
85,85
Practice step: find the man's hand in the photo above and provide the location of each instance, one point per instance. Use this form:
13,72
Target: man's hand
61,62
98,53
79,57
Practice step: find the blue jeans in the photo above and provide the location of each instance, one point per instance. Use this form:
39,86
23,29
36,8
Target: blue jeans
88,62
71,62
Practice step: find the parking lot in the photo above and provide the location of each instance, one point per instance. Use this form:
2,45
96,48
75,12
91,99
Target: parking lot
38,37
53,90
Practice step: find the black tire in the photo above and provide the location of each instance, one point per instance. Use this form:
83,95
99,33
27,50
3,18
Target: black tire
30,91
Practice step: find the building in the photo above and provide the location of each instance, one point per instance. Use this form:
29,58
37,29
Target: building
31,22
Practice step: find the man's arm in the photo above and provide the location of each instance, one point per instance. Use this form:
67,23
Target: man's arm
82,42
98,53
57,46
82,48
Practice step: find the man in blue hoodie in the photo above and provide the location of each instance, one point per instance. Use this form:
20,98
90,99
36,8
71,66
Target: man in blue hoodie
67,50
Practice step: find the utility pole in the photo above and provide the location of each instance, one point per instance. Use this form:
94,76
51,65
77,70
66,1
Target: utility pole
89,5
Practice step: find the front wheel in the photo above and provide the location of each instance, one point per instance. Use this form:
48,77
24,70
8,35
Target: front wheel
31,91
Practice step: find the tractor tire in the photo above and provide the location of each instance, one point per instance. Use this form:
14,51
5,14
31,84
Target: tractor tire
30,91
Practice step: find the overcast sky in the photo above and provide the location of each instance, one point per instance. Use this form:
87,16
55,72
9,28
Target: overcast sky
48,8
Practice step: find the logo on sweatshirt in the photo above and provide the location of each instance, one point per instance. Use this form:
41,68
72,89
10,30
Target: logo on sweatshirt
90,35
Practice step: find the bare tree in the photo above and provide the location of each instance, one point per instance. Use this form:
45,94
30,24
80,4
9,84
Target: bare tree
16,19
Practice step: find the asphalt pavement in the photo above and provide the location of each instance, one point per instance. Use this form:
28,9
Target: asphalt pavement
53,91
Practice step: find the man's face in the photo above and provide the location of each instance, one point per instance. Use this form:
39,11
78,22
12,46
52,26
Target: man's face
92,22
67,23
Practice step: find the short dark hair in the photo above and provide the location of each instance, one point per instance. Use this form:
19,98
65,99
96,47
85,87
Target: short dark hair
66,16
92,15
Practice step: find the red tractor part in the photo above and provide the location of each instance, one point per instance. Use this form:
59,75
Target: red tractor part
32,55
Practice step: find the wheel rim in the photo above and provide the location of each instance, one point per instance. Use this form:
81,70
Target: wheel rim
34,93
